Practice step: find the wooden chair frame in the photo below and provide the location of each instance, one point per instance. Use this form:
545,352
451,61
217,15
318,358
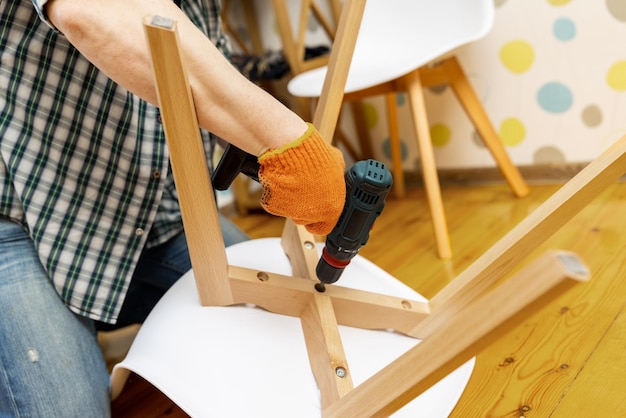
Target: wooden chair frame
470,311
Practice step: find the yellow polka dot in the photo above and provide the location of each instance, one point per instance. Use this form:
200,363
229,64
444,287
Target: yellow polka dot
558,2
512,131
440,134
616,76
370,114
517,56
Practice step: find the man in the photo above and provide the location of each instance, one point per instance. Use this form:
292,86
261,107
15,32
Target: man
90,230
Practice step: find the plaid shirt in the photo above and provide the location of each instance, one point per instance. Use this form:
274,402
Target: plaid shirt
84,164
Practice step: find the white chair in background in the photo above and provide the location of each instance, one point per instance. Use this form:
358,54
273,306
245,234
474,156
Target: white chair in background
405,46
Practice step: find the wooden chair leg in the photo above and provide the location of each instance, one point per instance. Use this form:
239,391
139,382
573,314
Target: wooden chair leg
304,107
341,138
245,199
429,170
474,109
394,145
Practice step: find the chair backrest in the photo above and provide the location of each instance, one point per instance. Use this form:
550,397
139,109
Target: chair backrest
398,36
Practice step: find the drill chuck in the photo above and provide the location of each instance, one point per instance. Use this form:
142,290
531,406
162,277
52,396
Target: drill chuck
367,185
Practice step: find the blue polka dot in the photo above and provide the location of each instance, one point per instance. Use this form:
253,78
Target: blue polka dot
555,97
387,149
564,29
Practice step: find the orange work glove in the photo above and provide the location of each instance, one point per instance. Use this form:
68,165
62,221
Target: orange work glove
304,181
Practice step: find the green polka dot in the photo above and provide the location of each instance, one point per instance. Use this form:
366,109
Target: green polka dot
558,2
371,115
616,77
440,134
564,29
517,56
512,131
386,148
555,97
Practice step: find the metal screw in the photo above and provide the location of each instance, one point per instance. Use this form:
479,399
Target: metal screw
341,372
308,245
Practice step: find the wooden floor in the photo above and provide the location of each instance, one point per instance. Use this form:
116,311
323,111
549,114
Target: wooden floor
567,361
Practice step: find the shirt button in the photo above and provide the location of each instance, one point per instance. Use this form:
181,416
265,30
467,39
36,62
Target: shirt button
139,232
156,174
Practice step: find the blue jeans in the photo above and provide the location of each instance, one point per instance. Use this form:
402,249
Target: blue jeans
50,361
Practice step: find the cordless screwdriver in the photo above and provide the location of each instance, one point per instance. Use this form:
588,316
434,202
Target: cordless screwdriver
367,185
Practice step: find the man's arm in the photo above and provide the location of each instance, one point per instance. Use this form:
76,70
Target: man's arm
301,175
110,34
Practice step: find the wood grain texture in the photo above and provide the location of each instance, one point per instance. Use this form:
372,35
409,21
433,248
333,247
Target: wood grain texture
477,326
188,159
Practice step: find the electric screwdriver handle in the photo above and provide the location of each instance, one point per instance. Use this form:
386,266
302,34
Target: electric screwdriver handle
234,161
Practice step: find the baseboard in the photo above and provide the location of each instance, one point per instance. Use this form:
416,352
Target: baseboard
534,174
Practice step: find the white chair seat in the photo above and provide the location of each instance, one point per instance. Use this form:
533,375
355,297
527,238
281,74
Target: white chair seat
243,361
398,36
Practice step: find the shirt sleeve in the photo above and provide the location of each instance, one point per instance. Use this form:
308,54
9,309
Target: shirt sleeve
40,7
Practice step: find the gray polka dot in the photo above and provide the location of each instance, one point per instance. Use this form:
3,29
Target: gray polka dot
617,9
438,89
592,116
312,24
477,139
548,155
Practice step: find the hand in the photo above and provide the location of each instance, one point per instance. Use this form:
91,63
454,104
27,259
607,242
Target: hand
304,181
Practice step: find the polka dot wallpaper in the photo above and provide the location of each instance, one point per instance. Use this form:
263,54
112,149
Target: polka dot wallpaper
552,77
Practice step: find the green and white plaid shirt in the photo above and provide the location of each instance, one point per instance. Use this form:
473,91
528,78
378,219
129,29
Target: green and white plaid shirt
84,165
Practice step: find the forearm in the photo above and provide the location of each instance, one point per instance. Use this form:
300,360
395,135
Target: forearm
110,34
